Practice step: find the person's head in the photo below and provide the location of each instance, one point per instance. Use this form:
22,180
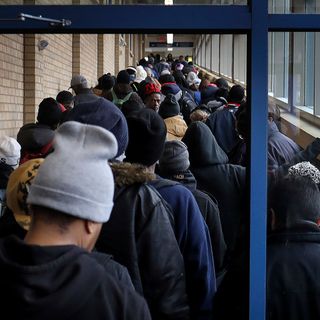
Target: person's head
66,99
123,77
167,78
147,134
223,86
294,199
49,112
174,159
71,201
106,82
9,151
150,94
132,105
105,114
200,113
193,80
305,169
236,94
169,107
79,83
132,73
141,74
181,58
171,88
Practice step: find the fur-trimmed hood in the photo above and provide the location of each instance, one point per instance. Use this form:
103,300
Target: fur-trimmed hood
126,173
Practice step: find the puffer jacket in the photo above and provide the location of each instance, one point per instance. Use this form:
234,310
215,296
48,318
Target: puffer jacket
139,235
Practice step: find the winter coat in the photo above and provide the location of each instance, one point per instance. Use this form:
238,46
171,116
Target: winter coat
293,269
226,182
194,241
281,149
139,235
222,126
61,282
176,127
210,212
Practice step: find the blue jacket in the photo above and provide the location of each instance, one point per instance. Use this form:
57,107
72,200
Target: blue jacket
194,241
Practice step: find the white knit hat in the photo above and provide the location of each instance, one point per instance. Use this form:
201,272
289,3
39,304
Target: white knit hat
9,151
141,74
305,169
76,178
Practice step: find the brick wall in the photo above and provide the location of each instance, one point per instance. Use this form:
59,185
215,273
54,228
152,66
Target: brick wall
109,57
27,74
11,84
55,63
88,57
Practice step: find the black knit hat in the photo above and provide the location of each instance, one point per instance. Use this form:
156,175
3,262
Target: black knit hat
147,135
169,107
166,78
123,77
49,112
236,94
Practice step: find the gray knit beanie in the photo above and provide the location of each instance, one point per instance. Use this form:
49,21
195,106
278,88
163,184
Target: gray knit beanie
76,178
175,157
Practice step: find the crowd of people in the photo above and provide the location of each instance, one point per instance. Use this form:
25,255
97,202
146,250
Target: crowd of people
128,200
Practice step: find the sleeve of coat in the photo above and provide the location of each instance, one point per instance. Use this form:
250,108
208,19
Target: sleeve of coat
160,261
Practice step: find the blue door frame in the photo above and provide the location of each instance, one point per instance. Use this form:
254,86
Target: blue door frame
253,20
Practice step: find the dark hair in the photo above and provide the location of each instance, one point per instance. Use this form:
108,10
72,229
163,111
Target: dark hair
64,97
294,198
49,112
53,217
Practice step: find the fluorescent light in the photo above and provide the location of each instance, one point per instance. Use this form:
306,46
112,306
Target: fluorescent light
168,2
169,49
170,38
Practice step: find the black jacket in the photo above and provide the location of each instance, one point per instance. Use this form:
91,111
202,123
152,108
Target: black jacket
61,282
224,181
139,235
293,273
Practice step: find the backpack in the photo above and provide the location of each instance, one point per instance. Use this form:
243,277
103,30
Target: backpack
119,102
187,105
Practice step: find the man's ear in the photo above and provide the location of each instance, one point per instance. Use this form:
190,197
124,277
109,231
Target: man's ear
89,226
318,222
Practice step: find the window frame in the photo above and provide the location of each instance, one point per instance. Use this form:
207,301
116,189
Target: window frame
252,20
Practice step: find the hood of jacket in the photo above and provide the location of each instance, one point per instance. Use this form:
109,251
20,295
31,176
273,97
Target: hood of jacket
185,177
34,136
203,148
45,281
176,127
126,174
